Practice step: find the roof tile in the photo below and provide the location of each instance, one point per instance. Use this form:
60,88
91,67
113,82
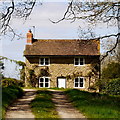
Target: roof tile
63,47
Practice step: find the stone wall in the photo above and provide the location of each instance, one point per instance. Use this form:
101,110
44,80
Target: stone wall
64,67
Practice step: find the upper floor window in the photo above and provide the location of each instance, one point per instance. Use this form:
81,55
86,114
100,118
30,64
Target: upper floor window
79,61
44,61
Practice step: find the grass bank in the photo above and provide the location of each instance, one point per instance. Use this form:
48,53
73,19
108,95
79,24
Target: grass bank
9,94
95,105
42,106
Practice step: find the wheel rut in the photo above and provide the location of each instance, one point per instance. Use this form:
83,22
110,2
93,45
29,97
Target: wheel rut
21,108
64,107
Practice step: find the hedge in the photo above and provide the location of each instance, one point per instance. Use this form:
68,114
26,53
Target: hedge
12,82
9,94
113,87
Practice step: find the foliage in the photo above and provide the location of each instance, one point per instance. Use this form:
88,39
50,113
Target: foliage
44,72
12,82
113,87
95,105
20,63
32,78
22,74
42,106
111,71
9,94
22,70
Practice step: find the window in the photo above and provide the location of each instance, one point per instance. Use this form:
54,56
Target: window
79,82
44,82
79,61
44,61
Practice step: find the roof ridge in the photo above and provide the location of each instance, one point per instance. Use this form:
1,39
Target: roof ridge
64,40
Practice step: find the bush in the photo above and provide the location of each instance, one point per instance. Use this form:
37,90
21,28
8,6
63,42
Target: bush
9,94
111,71
12,82
113,87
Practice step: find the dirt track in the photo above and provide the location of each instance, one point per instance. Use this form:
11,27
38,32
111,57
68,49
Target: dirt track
20,108
64,108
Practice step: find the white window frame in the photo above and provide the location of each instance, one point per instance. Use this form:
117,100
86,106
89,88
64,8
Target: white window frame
79,61
79,82
44,61
44,82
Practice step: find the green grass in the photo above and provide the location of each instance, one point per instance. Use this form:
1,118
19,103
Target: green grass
42,106
56,88
95,105
9,94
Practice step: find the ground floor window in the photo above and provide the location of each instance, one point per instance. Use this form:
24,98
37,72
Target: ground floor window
44,82
79,82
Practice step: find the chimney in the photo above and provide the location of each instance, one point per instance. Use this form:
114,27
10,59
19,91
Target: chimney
29,37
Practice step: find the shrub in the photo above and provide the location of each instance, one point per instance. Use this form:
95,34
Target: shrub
11,82
9,94
111,71
113,87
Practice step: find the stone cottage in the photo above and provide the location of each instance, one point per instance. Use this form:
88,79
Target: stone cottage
62,63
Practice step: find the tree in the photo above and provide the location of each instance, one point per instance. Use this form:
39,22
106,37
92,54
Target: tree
1,68
111,71
110,80
20,64
93,13
12,8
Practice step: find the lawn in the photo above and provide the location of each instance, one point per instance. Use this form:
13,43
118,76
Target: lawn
9,94
42,106
95,105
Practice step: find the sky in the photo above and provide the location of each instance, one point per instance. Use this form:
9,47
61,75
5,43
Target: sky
44,29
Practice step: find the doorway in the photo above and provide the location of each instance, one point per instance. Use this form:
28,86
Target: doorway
61,82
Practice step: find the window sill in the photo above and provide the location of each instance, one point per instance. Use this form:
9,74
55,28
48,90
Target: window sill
79,65
43,65
44,87
79,87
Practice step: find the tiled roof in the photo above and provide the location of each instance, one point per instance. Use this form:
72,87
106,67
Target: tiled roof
63,47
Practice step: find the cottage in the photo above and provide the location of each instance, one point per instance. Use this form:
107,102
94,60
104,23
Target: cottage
62,63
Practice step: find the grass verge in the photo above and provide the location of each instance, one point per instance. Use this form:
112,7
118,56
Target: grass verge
9,94
95,105
42,106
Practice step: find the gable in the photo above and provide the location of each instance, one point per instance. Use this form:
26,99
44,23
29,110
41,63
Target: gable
63,47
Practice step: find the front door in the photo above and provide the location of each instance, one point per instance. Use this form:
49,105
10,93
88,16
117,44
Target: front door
61,83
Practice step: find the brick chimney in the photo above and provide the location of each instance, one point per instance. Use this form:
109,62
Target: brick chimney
29,37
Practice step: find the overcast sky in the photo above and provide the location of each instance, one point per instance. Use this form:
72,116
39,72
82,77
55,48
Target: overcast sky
44,29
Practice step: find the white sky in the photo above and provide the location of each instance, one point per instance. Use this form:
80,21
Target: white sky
44,29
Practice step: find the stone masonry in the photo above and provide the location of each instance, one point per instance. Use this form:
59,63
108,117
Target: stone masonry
64,67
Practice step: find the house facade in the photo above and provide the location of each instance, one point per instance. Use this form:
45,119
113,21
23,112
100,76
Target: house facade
61,63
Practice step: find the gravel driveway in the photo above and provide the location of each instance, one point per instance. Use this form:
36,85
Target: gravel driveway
20,108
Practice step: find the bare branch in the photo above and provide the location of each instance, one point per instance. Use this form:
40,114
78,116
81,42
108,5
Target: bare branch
68,8
109,51
15,9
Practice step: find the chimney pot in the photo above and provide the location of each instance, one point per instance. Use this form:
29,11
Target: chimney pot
29,37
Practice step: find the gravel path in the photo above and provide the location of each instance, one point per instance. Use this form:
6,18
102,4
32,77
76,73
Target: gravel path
20,108
64,108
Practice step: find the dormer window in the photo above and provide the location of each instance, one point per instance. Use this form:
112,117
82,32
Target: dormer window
44,61
79,61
